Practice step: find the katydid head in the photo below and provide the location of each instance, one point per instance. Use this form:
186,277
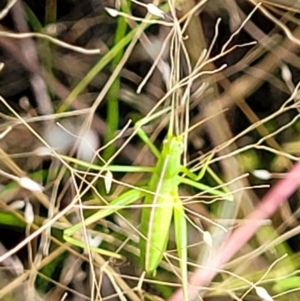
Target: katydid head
170,158
173,146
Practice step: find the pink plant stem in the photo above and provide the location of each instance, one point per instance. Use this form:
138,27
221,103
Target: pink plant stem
264,210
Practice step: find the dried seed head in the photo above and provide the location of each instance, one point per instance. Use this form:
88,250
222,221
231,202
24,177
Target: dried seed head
154,10
30,184
94,240
17,205
112,12
207,238
286,73
42,151
262,174
262,292
108,177
28,213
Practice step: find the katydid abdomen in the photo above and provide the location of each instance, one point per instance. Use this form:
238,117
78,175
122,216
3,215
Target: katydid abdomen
157,214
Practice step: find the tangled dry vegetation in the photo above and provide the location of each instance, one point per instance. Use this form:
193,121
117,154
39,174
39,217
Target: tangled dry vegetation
76,76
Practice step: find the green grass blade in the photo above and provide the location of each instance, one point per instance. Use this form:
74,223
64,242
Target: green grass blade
104,61
11,219
82,245
113,93
51,10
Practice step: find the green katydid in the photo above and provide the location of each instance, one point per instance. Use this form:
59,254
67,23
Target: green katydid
162,203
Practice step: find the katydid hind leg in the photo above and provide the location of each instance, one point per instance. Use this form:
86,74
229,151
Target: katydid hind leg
201,173
207,189
180,224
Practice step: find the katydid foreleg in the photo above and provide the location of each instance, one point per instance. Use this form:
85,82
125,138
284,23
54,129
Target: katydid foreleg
193,180
123,200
